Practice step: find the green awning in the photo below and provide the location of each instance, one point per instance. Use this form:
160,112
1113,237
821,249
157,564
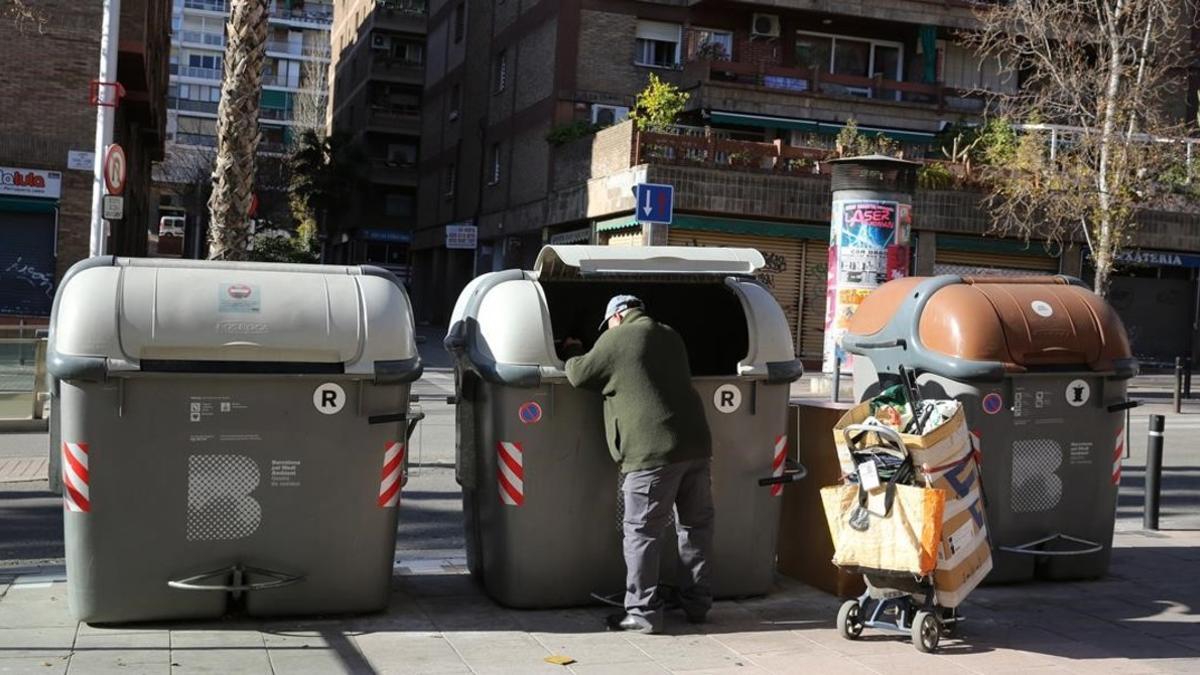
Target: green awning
28,205
764,121
991,245
762,228
813,126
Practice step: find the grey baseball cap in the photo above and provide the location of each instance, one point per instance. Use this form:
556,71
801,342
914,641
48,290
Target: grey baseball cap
619,303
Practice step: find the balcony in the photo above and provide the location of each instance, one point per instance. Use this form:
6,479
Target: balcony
712,151
176,103
196,139
810,82
406,16
393,173
319,51
314,14
394,69
400,119
278,114
198,73
207,5
202,38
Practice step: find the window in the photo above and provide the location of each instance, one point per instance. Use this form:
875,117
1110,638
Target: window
451,179
714,45
401,154
854,57
500,76
460,21
455,100
408,52
657,44
495,178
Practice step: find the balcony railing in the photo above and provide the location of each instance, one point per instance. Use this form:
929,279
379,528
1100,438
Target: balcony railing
391,66
199,37
200,73
276,114
298,49
196,139
176,103
813,81
394,116
714,152
207,5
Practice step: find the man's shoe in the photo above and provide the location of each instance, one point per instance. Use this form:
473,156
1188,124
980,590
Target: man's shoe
696,617
629,622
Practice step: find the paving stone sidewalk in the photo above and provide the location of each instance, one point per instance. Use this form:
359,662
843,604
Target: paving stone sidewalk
1141,619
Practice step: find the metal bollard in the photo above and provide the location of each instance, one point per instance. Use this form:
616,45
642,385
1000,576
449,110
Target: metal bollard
836,391
1187,377
1178,383
1154,448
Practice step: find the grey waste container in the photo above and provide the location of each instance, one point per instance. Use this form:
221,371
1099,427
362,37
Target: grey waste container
1041,366
230,430
540,491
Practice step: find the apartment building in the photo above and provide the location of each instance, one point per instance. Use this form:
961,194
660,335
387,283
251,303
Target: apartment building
47,138
510,84
297,62
375,101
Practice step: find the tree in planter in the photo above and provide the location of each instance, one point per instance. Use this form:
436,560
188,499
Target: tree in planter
1105,68
325,172
658,106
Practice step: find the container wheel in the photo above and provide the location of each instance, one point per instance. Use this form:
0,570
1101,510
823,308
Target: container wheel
926,632
849,619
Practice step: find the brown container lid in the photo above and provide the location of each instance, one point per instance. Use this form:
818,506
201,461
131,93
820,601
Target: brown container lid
1023,323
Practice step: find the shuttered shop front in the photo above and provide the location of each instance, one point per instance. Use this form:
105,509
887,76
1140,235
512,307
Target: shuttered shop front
27,260
968,256
783,273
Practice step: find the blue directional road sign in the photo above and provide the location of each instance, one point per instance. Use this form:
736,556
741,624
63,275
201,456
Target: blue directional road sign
655,203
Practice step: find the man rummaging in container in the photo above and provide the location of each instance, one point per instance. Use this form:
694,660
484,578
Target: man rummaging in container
658,434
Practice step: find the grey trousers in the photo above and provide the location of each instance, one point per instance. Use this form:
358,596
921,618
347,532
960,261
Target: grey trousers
649,497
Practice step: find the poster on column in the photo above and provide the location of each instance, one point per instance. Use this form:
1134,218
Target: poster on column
868,246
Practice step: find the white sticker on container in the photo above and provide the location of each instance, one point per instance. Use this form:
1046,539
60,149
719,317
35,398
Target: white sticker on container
1042,308
329,398
1078,392
727,398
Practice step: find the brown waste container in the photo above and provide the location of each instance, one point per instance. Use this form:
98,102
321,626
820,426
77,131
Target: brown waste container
1040,365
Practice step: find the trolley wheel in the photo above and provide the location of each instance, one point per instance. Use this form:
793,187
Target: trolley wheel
849,619
926,632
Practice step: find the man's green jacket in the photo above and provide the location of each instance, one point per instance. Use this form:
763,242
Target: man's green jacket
652,414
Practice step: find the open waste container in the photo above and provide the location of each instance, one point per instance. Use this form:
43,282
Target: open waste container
230,431
1040,365
540,490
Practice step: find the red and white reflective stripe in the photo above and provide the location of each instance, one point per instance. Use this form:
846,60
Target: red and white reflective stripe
389,481
75,477
1120,450
777,466
510,473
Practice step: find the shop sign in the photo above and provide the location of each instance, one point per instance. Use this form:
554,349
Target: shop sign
1158,258
30,183
461,236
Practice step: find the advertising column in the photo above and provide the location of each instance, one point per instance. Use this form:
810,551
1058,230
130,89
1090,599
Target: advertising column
869,228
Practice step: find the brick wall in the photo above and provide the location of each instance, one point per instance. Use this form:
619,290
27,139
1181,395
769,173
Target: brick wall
606,54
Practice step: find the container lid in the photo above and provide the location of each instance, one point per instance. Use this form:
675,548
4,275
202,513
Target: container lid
561,262
125,314
1022,324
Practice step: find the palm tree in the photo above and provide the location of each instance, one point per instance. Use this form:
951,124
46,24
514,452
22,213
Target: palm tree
237,131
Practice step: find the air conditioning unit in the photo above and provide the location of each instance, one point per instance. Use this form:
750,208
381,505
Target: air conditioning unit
765,25
607,115
380,42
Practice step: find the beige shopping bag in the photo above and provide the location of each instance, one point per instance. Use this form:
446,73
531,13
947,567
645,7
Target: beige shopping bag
896,530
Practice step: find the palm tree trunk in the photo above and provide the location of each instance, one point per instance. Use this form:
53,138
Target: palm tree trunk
237,131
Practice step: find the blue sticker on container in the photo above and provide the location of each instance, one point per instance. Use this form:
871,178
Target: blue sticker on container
530,413
993,403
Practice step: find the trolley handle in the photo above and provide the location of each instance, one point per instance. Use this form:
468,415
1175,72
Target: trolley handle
854,433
